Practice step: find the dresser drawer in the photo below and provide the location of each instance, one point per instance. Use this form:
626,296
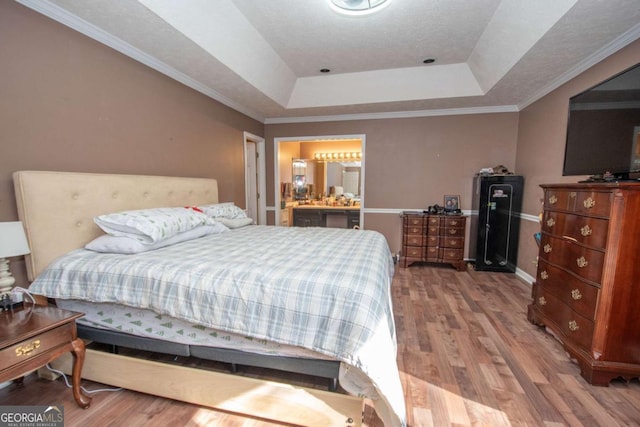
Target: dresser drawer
32,347
593,203
454,222
447,254
433,230
413,229
557,200
414,252
432,240
433,221
432,254
452,232
577,329
586,263
414,239
579,296
587,230
413,220
453,242
571,325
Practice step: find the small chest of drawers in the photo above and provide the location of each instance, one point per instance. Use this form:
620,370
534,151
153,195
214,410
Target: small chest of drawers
433,238
33,336
587,284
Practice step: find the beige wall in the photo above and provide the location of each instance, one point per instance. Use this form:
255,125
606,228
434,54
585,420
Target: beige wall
412,163
70,103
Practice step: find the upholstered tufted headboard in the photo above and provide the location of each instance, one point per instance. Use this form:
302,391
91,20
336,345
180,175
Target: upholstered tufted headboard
57,208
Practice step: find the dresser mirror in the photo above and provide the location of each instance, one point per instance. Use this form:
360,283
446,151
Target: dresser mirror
314,178
300,181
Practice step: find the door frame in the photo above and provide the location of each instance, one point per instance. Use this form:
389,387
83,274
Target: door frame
276,166
261,175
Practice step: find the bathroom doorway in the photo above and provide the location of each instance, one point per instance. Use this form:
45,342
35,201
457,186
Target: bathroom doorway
255,178
349,152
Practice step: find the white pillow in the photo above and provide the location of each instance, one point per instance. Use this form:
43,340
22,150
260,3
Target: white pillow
128,245
151,225
223,210
236,222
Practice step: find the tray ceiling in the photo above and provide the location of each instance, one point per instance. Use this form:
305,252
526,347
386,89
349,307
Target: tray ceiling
264,58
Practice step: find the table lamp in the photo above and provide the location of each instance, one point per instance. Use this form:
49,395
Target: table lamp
13,242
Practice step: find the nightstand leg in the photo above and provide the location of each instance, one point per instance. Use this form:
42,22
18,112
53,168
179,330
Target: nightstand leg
78,360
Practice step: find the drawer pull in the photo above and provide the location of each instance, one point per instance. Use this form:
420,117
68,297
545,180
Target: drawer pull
544,275
573,194
582,263
551,222
589,203
25,350
454,223
573,326
547,248
452,243
453,231
586,231
542,301
575,294
553,199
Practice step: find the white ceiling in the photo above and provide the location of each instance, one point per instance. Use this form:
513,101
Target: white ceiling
263,58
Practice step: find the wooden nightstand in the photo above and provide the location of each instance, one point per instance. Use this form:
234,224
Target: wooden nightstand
32,336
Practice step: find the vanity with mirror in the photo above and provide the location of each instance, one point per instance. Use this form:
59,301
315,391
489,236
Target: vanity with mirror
325,191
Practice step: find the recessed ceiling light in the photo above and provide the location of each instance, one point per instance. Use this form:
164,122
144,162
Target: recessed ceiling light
429,61
358,7
325,70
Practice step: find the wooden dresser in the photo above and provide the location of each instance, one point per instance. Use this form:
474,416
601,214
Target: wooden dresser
587,287
433,238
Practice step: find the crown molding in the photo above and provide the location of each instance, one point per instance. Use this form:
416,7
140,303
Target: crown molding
395,114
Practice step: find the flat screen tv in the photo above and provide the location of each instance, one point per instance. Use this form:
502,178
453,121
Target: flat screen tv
603,131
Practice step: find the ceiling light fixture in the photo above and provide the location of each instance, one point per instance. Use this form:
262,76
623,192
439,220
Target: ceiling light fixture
358,7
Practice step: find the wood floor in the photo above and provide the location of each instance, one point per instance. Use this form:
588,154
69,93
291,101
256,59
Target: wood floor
467,357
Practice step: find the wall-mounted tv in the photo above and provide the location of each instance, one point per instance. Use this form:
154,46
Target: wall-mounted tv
603,132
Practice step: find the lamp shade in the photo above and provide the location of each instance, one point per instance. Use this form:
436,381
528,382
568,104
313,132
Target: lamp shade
13,241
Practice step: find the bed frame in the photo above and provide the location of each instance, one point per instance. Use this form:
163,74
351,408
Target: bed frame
57,210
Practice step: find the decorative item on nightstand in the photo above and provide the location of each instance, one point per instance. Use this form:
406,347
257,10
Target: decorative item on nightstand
13,242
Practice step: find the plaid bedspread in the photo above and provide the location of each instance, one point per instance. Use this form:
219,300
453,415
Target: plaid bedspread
324,289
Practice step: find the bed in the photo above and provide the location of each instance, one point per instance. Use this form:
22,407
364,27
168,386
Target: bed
328,293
